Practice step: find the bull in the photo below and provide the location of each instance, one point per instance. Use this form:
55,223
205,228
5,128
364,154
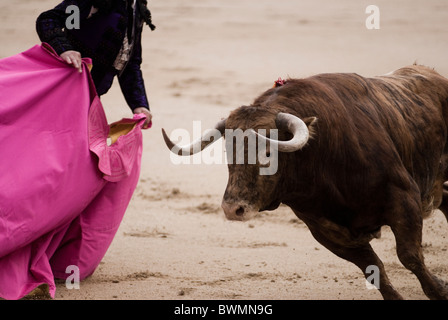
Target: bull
354,154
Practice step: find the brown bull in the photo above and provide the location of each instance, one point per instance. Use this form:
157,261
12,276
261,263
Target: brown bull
355,154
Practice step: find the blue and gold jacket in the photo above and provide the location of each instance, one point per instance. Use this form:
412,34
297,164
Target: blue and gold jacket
100,37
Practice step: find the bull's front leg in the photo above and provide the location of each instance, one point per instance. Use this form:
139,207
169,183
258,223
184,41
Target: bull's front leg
361,254
444,205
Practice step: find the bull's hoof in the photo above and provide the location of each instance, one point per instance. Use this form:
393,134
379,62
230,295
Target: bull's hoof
440,291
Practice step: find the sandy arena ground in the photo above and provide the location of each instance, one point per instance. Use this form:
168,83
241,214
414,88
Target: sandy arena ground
206,58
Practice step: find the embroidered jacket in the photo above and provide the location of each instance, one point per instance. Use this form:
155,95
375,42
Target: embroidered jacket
100,37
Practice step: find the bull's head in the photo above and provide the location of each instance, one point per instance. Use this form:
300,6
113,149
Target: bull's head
248,191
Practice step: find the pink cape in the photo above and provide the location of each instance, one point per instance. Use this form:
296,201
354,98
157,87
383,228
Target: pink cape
63,188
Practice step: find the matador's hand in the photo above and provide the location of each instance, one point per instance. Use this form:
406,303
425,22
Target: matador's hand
148,116
73,58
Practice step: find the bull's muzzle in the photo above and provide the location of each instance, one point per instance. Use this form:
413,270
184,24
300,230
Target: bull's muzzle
237,211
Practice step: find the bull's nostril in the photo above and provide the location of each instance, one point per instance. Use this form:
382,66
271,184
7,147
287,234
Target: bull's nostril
240,211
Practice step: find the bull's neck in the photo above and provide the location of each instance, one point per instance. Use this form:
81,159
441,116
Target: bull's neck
296,184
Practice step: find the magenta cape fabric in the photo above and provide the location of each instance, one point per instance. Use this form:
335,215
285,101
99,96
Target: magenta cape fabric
63,190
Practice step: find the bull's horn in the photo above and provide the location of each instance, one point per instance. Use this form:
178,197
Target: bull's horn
197,145
296,127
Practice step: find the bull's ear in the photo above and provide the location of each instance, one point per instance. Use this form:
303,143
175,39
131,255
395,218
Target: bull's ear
311,123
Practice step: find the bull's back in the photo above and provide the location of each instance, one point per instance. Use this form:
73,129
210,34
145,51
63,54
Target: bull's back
376,125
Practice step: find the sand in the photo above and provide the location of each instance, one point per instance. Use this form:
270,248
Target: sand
206,58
